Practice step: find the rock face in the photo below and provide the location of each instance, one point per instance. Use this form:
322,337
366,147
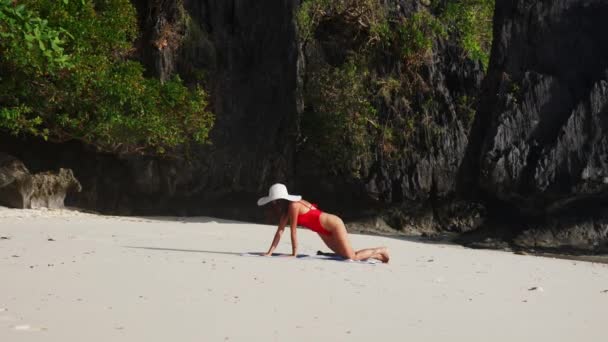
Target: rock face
415,187
20,189
15,182
245,53
51,188
253,87
539,144
533,167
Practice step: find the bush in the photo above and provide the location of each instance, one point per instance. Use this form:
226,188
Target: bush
28,41
336,123
65,74
340,125
383,69
471,22
366,15
416,35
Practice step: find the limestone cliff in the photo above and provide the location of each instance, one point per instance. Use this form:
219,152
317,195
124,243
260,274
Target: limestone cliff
534,163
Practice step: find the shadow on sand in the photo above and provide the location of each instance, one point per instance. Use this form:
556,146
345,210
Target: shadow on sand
183,250
251,254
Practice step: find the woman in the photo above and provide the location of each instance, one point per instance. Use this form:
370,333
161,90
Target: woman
294,210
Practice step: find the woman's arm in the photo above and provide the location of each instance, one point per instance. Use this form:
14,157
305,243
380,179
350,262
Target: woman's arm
293,218
277,235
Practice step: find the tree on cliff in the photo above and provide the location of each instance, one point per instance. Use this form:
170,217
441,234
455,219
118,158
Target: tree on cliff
66,73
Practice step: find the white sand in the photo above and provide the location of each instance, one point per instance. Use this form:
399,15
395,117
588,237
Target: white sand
134,279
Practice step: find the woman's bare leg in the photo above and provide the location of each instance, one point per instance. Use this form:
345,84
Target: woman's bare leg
339,243
379,253
329,242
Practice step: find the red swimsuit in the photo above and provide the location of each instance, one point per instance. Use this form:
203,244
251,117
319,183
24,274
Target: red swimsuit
312,220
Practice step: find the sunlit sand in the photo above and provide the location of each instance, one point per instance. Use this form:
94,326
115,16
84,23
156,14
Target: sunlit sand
70,276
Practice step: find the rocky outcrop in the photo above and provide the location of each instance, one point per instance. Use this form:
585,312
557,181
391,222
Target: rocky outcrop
413,187
247,56
16,186
532,170
21,189
572,233
51,188
163,27
245,53
539,144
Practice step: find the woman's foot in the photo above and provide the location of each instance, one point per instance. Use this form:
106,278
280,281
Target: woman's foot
383,255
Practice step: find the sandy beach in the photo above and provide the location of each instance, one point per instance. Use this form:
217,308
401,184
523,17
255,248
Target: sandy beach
71,276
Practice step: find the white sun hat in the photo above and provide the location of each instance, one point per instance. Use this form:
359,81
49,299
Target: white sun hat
278,191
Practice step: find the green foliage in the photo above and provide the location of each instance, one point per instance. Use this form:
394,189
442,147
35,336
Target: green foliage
15,119
381,34
341,126
305,20
388,87
415,37
28,41
363,14
87,88
471,21
418,34
384,69
337,124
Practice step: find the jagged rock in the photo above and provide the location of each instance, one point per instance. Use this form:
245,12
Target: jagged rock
16,184
539,145
547,103
574,234
409,185
578,159
164,26
50,188
20,189
460,216
247,52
